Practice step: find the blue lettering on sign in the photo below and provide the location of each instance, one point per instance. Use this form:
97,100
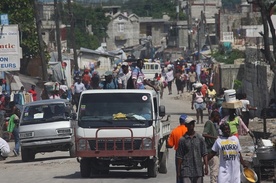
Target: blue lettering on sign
10,65
4,59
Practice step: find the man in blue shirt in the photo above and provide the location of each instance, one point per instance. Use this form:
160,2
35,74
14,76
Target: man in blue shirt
110,82
138,77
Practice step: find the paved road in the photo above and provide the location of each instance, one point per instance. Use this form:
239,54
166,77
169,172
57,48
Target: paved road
57,167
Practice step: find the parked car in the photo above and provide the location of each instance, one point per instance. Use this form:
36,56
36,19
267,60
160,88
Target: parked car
46,126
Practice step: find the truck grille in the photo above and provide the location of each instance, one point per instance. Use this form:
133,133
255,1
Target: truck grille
114,144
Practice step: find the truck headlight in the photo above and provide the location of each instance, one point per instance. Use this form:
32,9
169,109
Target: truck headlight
24,135
81,145
64,131
146,144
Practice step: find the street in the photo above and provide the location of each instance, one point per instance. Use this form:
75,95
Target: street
57,167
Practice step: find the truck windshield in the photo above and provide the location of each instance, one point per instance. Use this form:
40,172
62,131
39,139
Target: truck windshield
120,109
43,113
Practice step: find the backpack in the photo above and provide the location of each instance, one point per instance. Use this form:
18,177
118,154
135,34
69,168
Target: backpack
130,84
95,78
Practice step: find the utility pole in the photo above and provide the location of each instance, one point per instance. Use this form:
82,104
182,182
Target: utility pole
198,40
176,24
41,43
190,33
73,39
57,17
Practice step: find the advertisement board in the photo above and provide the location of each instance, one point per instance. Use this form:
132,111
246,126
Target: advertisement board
10,51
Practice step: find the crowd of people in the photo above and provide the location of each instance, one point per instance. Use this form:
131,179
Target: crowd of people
217,149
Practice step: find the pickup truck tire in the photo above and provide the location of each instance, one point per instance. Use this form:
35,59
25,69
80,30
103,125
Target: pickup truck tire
163,162
85,167
27,155
72,151
152,168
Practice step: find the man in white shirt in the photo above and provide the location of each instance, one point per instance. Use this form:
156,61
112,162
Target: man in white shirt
124,76
78,88
4,149
170,78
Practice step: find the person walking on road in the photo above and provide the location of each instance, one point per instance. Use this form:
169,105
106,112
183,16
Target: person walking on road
190,152
245,109
229,149
174,137
210,133
170,78
13,127
198,102
78,89
237,126
33,92
192,77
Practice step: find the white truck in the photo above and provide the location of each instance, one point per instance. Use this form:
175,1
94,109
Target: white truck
121,130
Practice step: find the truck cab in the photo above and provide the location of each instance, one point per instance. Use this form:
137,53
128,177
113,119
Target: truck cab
121,130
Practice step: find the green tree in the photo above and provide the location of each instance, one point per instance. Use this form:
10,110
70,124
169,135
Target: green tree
228,58
85,16
153,8
230,4
21,12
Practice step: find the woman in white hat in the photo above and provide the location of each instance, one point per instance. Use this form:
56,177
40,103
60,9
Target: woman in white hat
198,102
170,78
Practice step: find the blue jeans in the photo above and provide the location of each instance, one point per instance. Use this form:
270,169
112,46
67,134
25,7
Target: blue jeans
15,133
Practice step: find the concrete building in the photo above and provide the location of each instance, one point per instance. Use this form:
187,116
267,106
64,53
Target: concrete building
123,31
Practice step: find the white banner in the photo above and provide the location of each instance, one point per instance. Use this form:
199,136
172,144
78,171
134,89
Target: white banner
9,63
10,50
9,40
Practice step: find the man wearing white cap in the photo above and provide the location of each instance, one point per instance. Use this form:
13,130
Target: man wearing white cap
190,152
123,76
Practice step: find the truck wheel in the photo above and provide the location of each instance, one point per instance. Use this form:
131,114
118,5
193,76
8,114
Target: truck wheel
163,162
85,167
152,168
72,151
94,166
31,155
27,155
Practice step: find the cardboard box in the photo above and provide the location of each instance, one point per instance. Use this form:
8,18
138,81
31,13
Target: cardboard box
232,105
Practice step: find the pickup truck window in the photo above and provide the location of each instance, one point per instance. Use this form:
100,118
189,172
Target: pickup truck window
43,114
120,109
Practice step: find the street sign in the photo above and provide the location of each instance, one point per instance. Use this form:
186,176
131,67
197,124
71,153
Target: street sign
4,19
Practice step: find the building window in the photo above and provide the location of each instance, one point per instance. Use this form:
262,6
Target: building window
121,27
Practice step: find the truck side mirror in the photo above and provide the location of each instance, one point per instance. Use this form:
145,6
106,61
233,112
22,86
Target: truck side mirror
162,111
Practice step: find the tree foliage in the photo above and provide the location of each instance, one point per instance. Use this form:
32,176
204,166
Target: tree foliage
228,58
153,8
84,17
21,12
230,4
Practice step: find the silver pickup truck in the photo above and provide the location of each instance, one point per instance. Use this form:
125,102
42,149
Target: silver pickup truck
46,126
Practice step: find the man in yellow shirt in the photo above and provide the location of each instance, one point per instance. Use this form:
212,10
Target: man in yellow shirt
176,134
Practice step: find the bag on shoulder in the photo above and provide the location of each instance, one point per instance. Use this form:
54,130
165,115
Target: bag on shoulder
130,84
